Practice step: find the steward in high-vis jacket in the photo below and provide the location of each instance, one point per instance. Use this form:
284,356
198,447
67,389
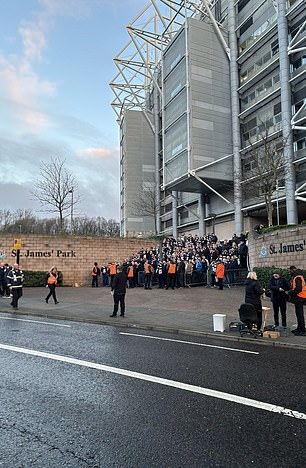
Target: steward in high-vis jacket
149,271
220,274
298,295
52,283
14,283
112,271
130,274
171,274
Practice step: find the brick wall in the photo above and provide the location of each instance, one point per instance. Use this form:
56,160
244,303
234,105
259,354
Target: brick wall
73,256
280,248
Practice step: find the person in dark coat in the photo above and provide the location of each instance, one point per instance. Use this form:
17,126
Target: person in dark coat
118,292
15,282
297,293
181,273
253,293
278,287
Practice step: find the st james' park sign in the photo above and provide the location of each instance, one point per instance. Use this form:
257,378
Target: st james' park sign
282,248
46,254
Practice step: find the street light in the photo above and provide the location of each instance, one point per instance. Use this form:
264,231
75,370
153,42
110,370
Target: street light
213,218
71,214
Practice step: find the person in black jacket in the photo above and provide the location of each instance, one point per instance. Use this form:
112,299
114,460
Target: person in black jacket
15,282
278,287
297,293
118,291
253,293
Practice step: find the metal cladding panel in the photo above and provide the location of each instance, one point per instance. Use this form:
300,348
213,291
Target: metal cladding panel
210,123
175,108
139,168
177,167
176,138
175,81
174,53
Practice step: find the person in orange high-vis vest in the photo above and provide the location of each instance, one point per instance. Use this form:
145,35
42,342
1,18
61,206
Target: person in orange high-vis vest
131,275
112,272
148,270
171,274
51,283
298,293
220,274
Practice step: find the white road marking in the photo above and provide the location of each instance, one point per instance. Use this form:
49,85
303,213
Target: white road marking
36,321
189,342
158,380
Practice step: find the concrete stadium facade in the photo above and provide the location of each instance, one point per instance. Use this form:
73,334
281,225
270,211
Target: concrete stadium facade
202,88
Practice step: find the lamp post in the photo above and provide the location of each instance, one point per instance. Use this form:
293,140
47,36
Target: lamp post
71,213
213,218
277,206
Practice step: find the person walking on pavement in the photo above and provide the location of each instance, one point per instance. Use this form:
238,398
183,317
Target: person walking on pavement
14,283
52,283
298,297
118,292
278,287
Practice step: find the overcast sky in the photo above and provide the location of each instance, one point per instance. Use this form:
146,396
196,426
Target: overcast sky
55,67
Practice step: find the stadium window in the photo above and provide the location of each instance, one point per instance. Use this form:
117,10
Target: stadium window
246,26
242,4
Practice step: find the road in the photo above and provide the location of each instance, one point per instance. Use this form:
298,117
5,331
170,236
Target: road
81,395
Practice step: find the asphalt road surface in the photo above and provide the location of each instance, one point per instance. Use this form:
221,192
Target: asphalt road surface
81,395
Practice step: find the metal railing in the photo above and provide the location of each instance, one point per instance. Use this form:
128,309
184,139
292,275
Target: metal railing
233,277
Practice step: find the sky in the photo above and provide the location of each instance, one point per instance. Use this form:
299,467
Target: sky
56,62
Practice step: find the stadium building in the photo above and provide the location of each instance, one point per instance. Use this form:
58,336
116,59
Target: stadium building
210,97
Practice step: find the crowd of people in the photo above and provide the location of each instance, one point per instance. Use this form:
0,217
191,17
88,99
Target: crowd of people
180,262
193,259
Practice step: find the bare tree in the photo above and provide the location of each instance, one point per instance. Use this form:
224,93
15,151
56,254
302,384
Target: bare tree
146,205
6,218
24,222
266,167
113,228
54,189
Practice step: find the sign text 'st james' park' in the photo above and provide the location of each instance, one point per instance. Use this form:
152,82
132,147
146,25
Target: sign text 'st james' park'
282,248
46,254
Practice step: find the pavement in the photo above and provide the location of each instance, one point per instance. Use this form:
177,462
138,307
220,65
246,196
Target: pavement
186,311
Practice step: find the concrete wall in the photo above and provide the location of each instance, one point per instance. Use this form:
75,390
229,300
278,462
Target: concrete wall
73,256
280,248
